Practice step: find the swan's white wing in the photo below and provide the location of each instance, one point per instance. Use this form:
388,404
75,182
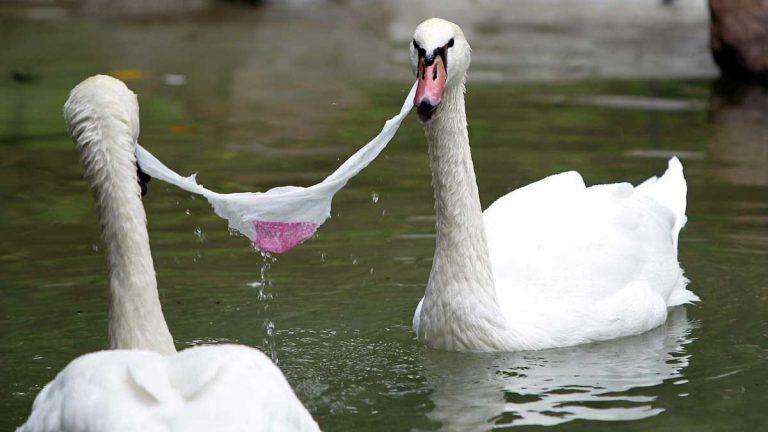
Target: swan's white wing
576,264
670,191
207,388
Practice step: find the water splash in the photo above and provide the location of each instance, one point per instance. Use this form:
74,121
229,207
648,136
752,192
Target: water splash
200,235
264,296
270,347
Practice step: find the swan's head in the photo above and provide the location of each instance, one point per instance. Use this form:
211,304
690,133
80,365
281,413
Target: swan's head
440,57
102,117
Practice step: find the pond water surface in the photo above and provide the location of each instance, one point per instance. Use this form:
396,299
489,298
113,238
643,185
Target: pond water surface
335,313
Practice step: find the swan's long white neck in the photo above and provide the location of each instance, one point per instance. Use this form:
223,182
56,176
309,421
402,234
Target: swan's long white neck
460,310
135,317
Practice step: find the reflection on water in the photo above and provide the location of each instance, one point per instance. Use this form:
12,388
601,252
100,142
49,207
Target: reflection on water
740,142
555,386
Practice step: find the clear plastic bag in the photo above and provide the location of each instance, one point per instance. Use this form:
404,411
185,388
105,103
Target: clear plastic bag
283,217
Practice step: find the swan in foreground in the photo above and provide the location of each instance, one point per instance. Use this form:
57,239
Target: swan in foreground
552,264
142,383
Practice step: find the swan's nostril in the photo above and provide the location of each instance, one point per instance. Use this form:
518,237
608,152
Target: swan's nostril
426,105
425,109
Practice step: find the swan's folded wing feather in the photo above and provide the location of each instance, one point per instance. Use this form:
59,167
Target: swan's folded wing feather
96,392
669,190
549,190
247,388
222,388
560,251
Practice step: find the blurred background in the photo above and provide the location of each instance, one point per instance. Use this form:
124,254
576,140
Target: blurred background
260,94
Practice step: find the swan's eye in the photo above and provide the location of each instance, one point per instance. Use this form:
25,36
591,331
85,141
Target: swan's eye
450,43
422,52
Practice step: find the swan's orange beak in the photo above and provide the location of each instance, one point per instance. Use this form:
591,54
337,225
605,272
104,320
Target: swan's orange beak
429,91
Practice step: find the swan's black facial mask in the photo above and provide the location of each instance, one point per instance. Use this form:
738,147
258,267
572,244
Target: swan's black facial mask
144,179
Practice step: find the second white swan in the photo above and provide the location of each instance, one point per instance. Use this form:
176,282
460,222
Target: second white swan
552,264
143,383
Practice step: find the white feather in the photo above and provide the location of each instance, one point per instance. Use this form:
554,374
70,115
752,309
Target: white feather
224,388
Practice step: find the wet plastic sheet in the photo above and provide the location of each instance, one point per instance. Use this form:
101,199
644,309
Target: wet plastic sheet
283,217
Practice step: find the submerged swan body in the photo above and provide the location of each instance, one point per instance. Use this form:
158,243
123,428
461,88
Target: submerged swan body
142,383
552,264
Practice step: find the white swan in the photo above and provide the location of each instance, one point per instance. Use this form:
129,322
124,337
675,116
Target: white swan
552,264
143,384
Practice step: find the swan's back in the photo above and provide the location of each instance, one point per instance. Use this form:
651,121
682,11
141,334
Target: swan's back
206,388
575,264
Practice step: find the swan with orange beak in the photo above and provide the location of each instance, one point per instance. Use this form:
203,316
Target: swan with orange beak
552,264
440,56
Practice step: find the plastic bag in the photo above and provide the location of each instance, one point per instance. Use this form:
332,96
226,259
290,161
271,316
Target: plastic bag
283,217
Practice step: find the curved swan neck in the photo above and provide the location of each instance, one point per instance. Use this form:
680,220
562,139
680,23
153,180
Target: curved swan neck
460,309
459,217
106,146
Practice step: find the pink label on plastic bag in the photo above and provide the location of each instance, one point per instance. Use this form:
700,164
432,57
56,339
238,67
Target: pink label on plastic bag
279,237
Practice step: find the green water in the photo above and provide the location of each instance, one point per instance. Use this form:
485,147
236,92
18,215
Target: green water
336,312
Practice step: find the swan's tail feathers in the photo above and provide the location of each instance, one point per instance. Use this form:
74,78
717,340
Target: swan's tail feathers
669,190
681,295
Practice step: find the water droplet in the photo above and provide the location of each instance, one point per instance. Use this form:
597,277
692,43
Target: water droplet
269,342
200,235
95,247
264,296
374,197
187,212
175,79
268,258
322,256
354,261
